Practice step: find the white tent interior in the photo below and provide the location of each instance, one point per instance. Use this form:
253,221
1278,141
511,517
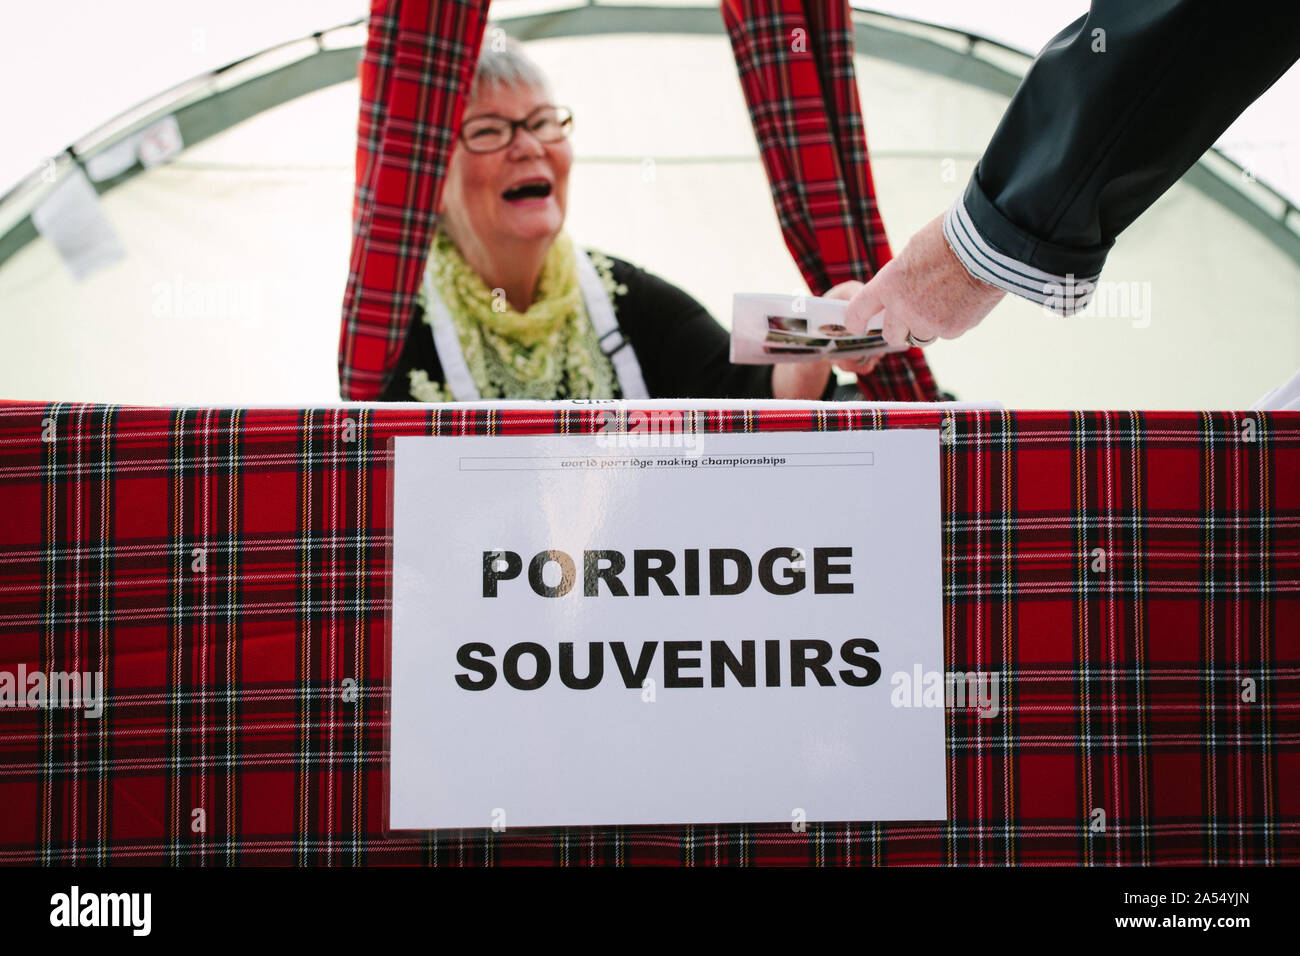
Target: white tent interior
236,248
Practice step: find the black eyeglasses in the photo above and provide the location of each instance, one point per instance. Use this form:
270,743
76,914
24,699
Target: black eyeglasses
487,134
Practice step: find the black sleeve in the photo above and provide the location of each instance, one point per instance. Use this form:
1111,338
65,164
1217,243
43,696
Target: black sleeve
683,351
1112,112
417,353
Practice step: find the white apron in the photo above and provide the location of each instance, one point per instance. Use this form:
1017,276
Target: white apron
601,311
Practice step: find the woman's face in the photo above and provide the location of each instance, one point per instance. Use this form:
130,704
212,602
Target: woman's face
474,206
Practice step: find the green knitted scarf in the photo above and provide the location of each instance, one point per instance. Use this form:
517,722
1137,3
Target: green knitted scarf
549,351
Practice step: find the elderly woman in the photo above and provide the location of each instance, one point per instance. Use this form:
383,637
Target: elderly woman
509,309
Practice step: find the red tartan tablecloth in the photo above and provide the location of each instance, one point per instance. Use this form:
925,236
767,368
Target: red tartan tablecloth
1123,690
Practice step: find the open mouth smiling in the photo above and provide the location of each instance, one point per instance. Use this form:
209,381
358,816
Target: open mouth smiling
528,189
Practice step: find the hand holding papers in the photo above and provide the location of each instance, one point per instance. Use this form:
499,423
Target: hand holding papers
774,329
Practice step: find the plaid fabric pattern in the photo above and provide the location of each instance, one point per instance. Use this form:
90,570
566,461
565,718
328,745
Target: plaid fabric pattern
419,59
226,570
795,59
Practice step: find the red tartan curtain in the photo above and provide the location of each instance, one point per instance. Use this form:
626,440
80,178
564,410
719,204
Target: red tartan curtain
795,59
796,66
419,61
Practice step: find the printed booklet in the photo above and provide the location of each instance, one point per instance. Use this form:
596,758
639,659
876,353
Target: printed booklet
767,329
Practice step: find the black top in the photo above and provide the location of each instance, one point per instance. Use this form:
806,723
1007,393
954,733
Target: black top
1114,109
683,351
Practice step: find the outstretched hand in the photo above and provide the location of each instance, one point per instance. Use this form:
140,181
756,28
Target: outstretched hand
925,291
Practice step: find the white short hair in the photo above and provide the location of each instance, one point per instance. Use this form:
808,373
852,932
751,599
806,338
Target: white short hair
503,62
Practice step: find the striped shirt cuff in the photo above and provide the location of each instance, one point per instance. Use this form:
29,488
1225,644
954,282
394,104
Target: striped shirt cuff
1064,295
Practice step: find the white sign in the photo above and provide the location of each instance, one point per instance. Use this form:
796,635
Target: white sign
699,631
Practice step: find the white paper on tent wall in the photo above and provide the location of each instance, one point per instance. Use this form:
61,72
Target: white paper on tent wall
71,218
153,145
160,142
113,161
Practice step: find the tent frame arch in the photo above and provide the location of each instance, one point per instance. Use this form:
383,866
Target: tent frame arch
213,102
